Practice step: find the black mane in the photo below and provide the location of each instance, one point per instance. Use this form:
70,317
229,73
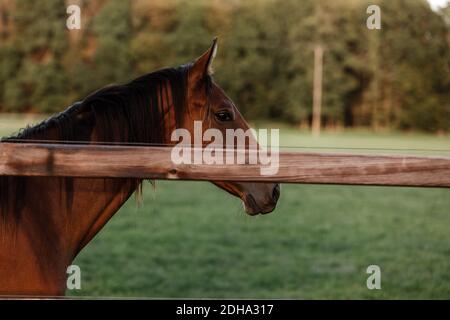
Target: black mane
122,113
128,113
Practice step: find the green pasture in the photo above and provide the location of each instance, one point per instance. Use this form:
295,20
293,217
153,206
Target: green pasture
192,240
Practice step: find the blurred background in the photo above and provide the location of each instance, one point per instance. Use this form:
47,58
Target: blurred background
393,78
383,89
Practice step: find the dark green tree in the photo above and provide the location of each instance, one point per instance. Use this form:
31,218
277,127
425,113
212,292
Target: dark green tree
112,29
40,45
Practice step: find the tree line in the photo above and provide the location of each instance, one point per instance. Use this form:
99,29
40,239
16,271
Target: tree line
396,77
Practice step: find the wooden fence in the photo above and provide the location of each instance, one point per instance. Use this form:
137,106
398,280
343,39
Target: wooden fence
30,159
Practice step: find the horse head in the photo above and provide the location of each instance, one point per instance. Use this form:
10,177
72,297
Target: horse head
208,103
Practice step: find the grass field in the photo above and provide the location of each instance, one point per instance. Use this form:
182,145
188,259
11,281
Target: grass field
190,239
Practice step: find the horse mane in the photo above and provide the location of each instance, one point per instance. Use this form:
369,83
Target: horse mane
123,113
128,113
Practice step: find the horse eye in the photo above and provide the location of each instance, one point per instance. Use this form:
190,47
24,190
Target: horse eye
223,116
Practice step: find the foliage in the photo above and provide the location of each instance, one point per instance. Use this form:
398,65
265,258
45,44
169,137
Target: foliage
397,77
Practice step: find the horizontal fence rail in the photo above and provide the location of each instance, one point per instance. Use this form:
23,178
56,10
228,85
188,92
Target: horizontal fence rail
32,159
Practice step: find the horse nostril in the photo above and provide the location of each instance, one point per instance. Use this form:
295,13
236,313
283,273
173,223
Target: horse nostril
276,192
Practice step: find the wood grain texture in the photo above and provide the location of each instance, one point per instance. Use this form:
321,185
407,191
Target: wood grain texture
28,159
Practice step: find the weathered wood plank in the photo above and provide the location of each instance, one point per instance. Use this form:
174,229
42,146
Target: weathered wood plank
28,159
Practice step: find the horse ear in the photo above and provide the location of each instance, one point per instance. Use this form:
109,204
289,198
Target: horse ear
203,65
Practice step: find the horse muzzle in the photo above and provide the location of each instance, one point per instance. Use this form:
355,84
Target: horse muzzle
254,206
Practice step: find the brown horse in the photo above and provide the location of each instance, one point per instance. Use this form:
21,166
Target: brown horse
46,221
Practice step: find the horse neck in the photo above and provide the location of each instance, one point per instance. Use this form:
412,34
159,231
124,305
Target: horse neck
116,191
59,217
35,254
90,203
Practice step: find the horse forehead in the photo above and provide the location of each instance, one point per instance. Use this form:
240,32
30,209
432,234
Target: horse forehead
218,96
